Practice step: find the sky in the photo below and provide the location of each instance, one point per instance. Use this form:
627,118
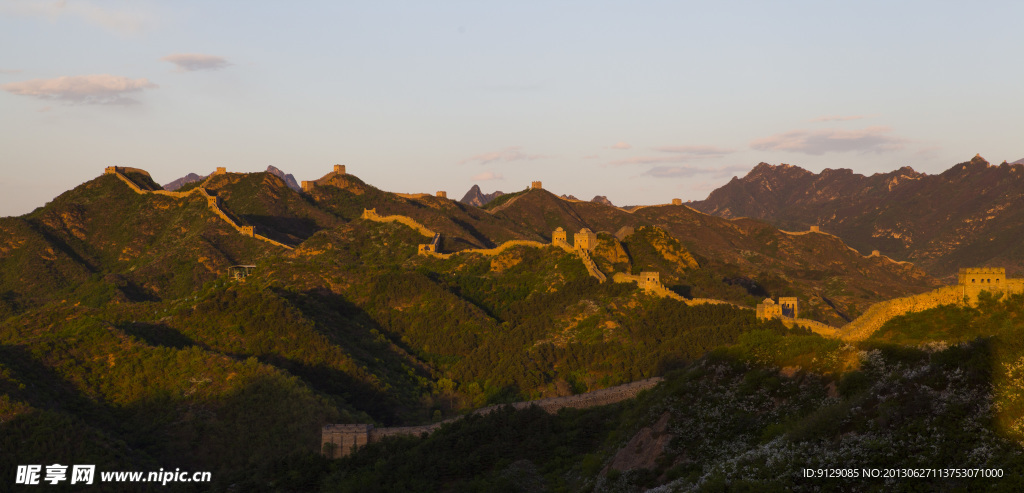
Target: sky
639,101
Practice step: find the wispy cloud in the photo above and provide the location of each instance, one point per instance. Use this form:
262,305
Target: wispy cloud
506,155
621,146
488,175
120,21
676,154
191,62
689,171
695,151
9,72
82,89
817,142
839,118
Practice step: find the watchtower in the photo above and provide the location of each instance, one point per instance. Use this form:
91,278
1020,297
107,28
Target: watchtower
247,230
110,170
308,186
536,186
789,306
876,253
341,440
220,170
559,235
677,201
815,229
442,194
585,240
768,310
977,276
651,280
339,169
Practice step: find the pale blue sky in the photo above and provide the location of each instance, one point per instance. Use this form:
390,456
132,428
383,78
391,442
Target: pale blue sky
639,101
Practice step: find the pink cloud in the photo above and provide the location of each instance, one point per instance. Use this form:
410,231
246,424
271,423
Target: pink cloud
82,89
191,62
621,146
676,154
488,175
509,154
817,142
695,151
688,171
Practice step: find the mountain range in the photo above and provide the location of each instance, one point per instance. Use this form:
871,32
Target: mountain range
163,332
968,215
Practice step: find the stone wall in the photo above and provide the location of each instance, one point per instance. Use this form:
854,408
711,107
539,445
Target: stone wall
341,440
211,202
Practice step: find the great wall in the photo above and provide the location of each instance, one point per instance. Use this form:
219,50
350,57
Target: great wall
211,200
340,440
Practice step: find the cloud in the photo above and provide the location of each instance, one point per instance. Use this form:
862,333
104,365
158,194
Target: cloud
689,171
121,21
506,155
695,151
839,118
621,146
9,72
82,89
191,62
817,142
676,154
488,175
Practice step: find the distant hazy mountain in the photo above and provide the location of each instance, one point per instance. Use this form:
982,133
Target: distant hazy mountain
969,215
601,199
288,178
185,180
477,198
569,197
1019,161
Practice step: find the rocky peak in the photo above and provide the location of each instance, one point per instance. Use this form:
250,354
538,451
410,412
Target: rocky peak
601,199
477,198
288,178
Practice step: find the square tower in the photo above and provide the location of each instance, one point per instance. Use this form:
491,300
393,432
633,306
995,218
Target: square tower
536,185
559,235
789,306
585,240
677,201
308,186
442,194
651,280
339,169
220,170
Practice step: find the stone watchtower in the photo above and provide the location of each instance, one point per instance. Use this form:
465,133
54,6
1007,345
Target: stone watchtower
110,170
442,194
220,170
339,169
585,240
536,186
308,186
989,277
677,201
650,280
341,440
559,236
768,310
789,306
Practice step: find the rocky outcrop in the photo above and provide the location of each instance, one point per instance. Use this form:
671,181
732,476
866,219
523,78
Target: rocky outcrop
477,198
287,177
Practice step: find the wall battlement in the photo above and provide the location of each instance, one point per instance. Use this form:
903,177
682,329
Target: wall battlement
211,202
344,439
